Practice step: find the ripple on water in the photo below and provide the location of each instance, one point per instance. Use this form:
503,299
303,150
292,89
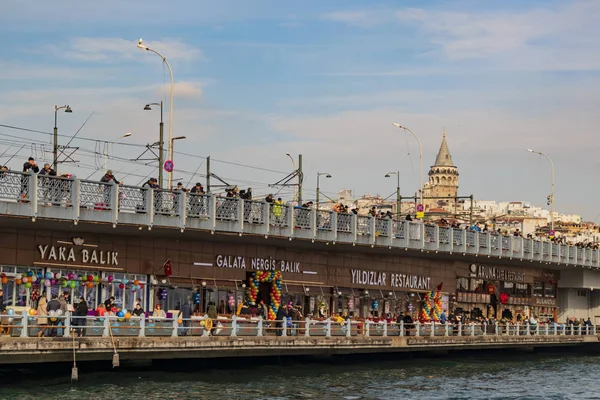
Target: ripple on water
487,378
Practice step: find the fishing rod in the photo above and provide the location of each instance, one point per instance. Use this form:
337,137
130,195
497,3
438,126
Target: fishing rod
14,155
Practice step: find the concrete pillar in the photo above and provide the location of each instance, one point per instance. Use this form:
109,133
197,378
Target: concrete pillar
307,327
484,329
284,327
142,326
446,332
417,328
472,328
508,329
233,326
24,324
459,328
106,326
401,328
432,333
348,328
367,328
497,329
67,330
385,328
175,327
259,328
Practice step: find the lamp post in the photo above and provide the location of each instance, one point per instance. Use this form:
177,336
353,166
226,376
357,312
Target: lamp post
552,193
389,175
161,142
294,169
143,47
67,110
171,144
111,144
327,175
420,159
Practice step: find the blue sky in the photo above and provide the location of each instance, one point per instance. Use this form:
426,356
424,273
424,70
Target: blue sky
325,79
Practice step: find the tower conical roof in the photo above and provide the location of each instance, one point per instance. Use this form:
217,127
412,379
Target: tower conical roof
443,159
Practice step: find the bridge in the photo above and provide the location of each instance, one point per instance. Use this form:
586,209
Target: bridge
34,196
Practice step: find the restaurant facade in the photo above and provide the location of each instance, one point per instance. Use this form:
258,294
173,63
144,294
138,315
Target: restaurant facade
172,267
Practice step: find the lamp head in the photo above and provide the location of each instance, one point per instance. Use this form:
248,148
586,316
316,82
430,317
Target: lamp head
127,134
530,150
147,107
396,125
68,109
141,45
388,176
327,176
288,154
178,137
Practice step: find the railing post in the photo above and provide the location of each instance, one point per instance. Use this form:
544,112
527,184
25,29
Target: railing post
348,328
106,326
182,209
313,222
432,333
579,329
175,327
307,327
594,330
372,229
259,328
212,211
240,215
353,227
149,205
459,328
472,328
233,325
401,328
417,329
289,220
385,328
75,200
507,328
497,329
367,328
527,329
67,330
390,232
334,223
555,328
24,324
547,330
328,327
436,237
537,329
284,327
142,332
517,326
446,333
484,328
32,194
114,202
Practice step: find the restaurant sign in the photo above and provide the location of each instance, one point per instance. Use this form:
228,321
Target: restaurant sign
406,281
497,274
257,263
545,301
85,256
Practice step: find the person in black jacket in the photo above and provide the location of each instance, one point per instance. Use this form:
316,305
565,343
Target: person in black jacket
53,305
30,165
50,191
81,313
108,178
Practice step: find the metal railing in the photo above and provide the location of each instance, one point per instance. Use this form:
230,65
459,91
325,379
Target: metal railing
65,325
34,196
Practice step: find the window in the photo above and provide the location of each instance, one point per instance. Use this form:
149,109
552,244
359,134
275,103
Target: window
582,293
124,298
522,290
538,289
550,290
508,288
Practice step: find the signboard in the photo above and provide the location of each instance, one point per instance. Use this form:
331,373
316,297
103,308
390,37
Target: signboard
545,301
498,274
420,208
551,233
373,278
420,211
169,166
68,254
257,263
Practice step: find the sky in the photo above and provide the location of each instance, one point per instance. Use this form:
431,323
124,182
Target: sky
256,80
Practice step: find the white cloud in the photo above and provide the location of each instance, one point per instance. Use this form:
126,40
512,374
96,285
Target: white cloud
109,50
361,18
530,38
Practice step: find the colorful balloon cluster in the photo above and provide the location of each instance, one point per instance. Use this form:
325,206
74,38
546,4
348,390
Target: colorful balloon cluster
69,280
432,307
274,277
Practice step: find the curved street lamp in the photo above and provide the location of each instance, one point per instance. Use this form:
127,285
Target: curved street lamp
69,110
552,193
327,175
144,47
111,145
420,159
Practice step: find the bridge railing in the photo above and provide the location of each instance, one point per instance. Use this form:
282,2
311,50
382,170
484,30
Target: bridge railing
65,325
35,196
